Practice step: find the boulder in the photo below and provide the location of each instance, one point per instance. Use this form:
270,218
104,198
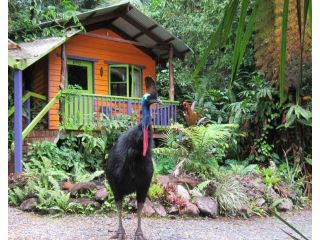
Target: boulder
67,185
132,204
173,209
183,193
82,187
101,194
147,209
260,202
285,205
29,204
207,206
17,180
160,210
183,179
273,195
253,186
190,209
82,201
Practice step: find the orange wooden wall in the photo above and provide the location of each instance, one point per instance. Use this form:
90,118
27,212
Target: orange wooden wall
102,50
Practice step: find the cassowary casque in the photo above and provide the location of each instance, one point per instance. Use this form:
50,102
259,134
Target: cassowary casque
129,167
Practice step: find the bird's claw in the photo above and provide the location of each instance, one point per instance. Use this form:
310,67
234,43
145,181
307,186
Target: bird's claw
139,236
120,235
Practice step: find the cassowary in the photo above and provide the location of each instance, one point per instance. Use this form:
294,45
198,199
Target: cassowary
129,167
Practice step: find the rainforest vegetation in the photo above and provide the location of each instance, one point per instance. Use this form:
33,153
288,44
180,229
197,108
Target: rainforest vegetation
250,80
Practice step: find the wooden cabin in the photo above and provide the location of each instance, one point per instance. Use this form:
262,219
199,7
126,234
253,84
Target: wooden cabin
86,77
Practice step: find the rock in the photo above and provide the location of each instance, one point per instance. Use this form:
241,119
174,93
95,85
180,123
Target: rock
132,204
97,205
207,206
190,209
253,185
29,204
273,195
183,179
245,209
260,202
67,185
160,210
173,209
101,194
285,205
196,194
283,190
82,201
147,209
183,193
82,187
163,180
17,180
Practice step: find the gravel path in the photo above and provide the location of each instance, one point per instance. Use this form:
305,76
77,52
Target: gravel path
27,226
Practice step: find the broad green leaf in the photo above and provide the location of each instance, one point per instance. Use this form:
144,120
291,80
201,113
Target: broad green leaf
219,36
289,225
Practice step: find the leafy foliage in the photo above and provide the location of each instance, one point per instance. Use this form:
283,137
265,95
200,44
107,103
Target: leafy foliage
230,194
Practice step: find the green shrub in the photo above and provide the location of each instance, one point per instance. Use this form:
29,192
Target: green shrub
155,192
229,194
165,160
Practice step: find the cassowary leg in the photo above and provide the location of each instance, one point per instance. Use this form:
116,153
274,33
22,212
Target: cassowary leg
139,233
120,235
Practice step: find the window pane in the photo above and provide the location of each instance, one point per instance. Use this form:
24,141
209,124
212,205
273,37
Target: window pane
137,83
78,75
118,74
119,89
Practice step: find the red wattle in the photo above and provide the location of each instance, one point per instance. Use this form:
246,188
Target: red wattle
145,140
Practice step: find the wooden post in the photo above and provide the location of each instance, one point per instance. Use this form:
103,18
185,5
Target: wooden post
171,82
63,79
17,121
63,66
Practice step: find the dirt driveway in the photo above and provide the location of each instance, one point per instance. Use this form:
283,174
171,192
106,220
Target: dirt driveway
31,226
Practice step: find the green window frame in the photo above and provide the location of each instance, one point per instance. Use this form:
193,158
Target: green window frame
129,70
88,65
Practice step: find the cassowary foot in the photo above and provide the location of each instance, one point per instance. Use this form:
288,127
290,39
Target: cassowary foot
139,236
120,235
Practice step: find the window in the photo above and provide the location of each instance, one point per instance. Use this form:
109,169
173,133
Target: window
125,80
80,73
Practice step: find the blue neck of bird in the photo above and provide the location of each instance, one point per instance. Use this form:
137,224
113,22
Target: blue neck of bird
146,115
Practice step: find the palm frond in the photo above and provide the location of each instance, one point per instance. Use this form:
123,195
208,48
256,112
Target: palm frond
218,37
289,225
242,37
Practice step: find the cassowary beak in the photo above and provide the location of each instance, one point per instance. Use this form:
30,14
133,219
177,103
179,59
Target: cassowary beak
159,101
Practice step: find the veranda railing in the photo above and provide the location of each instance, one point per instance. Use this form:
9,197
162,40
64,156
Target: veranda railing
82,109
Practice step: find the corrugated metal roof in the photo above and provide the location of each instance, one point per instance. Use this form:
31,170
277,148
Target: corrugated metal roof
125,18
126,22
30,52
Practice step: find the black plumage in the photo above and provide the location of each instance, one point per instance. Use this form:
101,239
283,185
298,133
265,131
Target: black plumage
128,170
129,167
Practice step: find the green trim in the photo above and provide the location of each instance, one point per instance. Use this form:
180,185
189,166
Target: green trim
25,98
110,96
133,80
35,121
127,77
127,66
83,63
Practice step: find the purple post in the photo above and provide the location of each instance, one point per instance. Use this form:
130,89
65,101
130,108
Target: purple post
129,107
17,121
27,106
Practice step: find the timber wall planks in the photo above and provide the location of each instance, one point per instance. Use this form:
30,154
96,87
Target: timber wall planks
103,50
